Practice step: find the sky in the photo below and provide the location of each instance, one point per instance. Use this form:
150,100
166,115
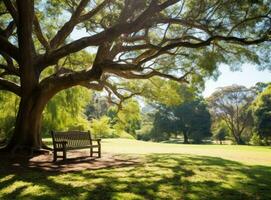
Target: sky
248,76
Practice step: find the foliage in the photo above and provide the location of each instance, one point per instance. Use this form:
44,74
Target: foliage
256,140
163,124
193,119
126,119
145,132
8,110
190,118
66,110
231,105
98,106
221,134
262,113
101,127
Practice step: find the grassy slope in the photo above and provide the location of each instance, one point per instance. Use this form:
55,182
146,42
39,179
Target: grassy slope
167,174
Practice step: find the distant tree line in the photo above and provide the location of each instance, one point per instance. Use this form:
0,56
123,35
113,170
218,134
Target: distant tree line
233,113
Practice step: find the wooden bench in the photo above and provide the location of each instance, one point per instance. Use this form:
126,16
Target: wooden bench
71,140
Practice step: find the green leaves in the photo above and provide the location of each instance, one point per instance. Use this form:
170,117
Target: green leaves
262,113
66,110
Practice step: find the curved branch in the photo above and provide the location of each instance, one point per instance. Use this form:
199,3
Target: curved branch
9,48
12,10
113,89
9,30
40,35
10,86
235,40
132,75
68,27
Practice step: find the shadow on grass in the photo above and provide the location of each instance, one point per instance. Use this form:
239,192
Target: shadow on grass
159,176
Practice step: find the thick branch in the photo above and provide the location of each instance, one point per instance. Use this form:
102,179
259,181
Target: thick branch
235,40
10,86
93,12
104,36
131,75
68,27
9,30
12,10
29,76
40,35
9,48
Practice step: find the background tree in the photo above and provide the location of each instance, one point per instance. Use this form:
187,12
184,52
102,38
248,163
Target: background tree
190,119
193,120
262,114
171,39
231,105
260,87
164,124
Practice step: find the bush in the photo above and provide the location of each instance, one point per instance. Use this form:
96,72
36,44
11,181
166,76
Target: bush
144,133
118,133
256,140
101,127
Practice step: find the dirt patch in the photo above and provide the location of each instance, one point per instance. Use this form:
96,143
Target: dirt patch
77,161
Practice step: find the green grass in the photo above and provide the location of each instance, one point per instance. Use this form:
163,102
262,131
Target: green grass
165,171
258,155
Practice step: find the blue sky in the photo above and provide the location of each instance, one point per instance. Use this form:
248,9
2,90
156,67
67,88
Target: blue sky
248,76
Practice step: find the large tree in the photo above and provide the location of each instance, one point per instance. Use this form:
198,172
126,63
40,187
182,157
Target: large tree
231,105
172,39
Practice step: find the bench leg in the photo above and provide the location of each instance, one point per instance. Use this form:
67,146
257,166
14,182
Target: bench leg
64,154
55,156
99,152
91,152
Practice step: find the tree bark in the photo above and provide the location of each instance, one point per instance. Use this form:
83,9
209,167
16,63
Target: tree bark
27,133
237,138
185,137
239,141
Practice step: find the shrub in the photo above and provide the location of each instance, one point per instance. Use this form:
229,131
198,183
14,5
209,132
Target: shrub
256,139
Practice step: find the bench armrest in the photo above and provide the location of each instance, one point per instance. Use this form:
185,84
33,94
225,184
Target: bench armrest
98,140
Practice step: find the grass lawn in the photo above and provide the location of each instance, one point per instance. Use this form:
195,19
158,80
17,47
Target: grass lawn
164,171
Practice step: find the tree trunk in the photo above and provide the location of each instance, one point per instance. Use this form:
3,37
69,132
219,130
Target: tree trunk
240,141
185,137
27,133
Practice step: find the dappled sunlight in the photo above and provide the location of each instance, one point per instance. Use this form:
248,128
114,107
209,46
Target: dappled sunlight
158,176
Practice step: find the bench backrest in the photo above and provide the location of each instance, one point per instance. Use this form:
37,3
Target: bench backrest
73,138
